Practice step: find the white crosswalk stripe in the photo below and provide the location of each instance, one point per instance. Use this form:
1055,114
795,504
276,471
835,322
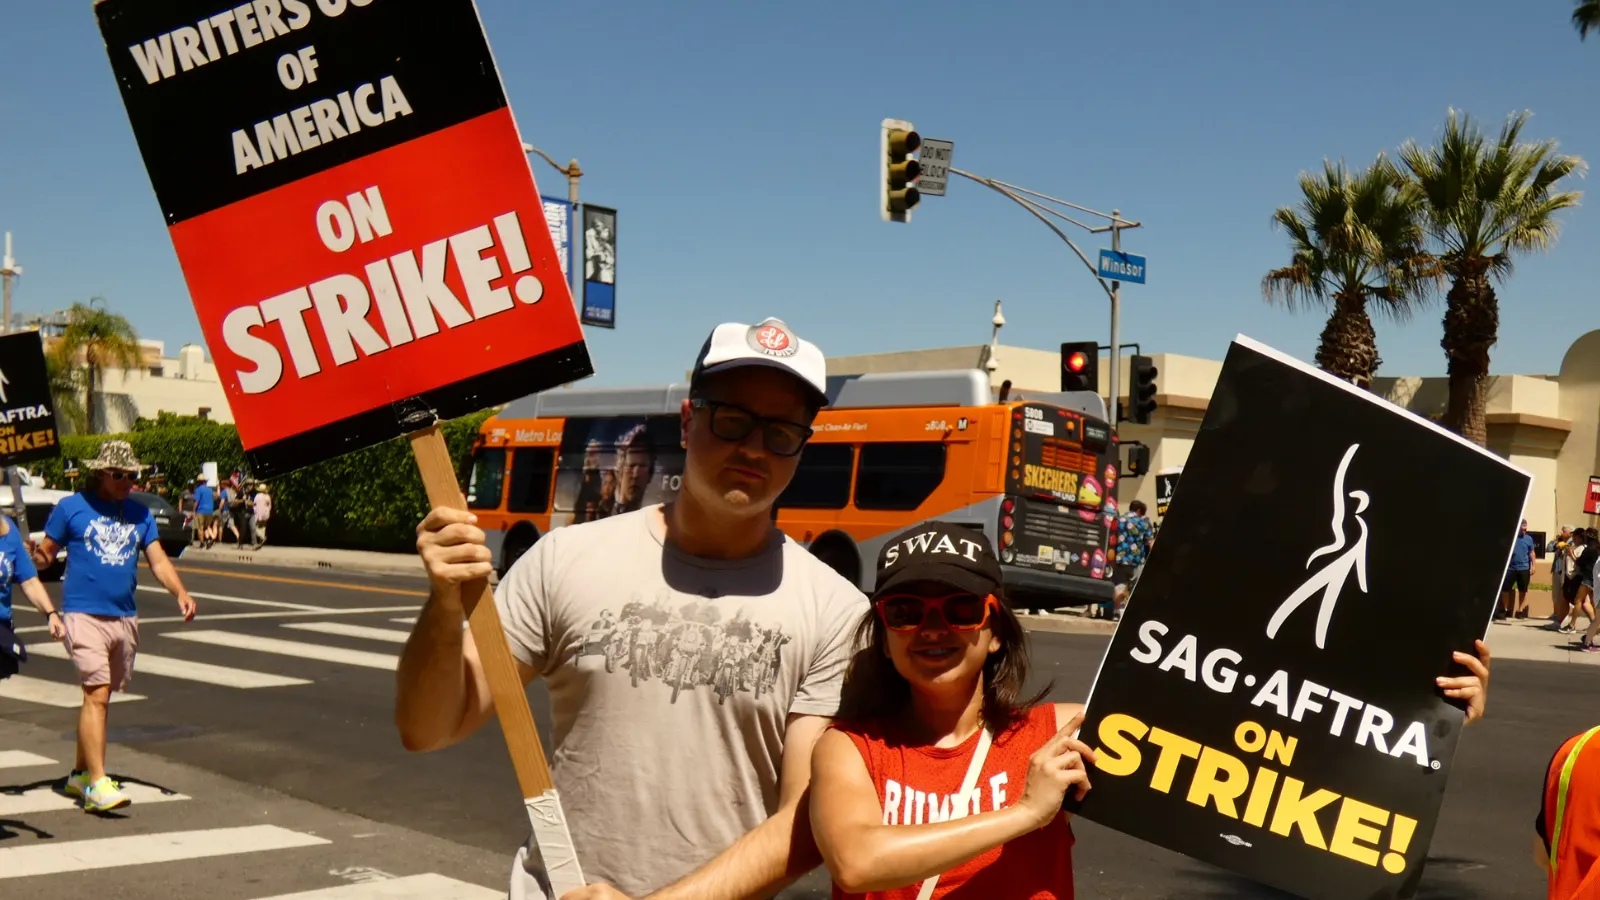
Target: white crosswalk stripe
21,759
321,652
51,693
45,799
224,676
411,887
345,629
408,620
107,854
55,857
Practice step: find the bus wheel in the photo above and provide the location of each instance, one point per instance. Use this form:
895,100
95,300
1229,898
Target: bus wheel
518,542
840,555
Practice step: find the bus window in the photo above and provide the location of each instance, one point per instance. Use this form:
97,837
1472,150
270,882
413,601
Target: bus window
898,475
530,479
822,480
488,479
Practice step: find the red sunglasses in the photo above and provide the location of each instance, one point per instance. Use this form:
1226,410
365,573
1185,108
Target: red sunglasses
961,611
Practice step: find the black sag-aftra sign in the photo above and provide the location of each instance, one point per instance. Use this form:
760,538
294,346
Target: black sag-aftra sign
1268,702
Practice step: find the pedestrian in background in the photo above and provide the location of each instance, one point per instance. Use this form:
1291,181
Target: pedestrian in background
1588,566
263,512
16,568
205,511
1518,576
1135,534
1572,587
1560,562
667,789
103,531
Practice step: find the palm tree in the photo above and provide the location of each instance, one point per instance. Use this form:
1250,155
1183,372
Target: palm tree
1354,239
65,391
1484,202
1586,17
96,340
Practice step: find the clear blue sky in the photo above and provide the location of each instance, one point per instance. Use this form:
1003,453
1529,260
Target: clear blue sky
739,143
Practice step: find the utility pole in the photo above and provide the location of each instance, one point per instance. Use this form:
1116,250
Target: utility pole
1116,321
8,270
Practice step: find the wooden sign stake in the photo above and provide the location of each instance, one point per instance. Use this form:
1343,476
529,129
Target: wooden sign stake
551,837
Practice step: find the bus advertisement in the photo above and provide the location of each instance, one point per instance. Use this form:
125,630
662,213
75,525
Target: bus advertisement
1035,473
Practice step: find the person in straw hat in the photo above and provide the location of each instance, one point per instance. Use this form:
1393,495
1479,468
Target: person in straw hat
104,532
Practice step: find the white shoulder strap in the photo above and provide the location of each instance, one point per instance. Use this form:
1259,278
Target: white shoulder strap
974,769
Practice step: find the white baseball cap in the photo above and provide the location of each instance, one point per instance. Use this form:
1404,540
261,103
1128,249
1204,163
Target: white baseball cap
772,344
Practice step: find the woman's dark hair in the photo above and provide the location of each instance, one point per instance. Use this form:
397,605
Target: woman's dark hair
874,689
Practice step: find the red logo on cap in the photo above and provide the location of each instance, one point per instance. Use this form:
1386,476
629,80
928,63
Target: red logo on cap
773,338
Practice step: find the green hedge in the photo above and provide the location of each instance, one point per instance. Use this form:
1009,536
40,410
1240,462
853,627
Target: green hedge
371,499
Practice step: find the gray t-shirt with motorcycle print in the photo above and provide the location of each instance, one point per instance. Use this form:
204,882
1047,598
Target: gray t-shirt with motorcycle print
671,679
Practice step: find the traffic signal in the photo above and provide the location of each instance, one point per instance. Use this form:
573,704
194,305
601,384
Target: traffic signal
1080,366
1141,390
1138,460
897,170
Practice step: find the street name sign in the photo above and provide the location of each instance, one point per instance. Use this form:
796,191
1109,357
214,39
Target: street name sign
935,163
1119,266
1286,725
364,245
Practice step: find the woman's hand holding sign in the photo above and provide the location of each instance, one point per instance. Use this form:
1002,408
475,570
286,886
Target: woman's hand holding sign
1472,688
1055,769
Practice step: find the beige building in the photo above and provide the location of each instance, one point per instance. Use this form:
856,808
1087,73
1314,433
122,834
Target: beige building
1549,425
186,384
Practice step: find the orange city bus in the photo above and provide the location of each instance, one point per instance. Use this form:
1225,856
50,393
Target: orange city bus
1036,472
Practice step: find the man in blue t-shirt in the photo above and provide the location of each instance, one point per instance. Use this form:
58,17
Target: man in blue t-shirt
1517,576
17,568
205,511
103,532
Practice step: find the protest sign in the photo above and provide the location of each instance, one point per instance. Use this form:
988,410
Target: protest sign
27,414
364,244
356,220
1268,702
1591,498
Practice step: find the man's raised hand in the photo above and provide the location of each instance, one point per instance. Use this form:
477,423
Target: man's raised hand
452,547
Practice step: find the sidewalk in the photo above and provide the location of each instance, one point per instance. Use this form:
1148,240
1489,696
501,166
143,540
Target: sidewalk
310,558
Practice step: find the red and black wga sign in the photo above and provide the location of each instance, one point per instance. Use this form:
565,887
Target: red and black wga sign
357,223
27,417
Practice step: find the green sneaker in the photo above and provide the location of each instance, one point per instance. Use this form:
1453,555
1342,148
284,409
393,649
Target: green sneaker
104,795
78,784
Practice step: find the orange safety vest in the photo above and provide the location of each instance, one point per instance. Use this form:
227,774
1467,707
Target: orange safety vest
1574,816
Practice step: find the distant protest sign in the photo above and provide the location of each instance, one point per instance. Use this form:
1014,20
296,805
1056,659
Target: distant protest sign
353,211
27,414
1268,702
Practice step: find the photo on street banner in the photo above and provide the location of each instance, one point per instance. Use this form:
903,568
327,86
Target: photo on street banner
599,266
615,465
1268,701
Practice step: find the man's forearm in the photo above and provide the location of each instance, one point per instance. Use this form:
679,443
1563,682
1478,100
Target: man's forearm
759,864
168,576
431,691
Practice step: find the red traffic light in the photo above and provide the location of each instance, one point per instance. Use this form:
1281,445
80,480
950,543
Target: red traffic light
1077,361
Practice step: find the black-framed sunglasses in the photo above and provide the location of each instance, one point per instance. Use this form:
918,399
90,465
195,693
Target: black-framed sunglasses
119,475
731,422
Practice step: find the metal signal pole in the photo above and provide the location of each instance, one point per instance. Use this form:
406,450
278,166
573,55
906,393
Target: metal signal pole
8,270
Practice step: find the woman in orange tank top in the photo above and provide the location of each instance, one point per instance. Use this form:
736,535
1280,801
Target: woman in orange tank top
937,779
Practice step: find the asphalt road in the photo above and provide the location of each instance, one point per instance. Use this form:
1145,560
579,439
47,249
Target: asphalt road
308,788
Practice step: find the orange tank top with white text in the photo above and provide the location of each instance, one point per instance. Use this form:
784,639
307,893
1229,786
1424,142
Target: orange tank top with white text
917,785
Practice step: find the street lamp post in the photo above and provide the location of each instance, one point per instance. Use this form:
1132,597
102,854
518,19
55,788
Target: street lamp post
1113,290
573,173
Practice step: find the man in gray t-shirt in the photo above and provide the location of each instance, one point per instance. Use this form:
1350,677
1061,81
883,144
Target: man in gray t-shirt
692,652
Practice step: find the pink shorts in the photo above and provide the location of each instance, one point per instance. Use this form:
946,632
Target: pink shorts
102,648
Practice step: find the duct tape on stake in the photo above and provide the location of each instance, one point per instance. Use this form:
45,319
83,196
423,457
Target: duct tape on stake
553,842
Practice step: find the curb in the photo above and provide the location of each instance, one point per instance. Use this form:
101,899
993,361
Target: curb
326,561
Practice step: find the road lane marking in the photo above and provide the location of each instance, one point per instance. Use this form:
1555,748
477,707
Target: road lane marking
109,854
431,886
49,693
288,648
45,799
408,620
282,580
219,617
344,629
247,601
223,676
20,759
